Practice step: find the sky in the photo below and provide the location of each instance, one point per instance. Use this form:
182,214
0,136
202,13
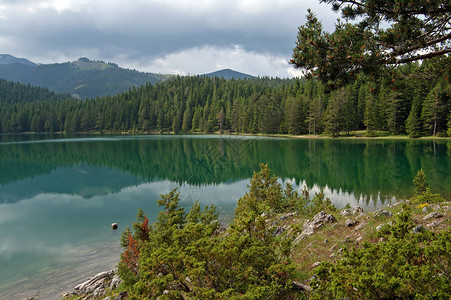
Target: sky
185,37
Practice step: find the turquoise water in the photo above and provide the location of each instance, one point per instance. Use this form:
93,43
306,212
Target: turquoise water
59,195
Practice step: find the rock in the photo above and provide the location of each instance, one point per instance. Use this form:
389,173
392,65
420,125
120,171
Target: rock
360,226
289,215
115,282
69,295
299,286
317,222
435,206
378,228
418,229
425,209
345,212
114,226
382,212
445,208
277,231
357,210
326,241
435,223
96,286
397,203
350,223
408,202
315,264
299,238
433,215
359,239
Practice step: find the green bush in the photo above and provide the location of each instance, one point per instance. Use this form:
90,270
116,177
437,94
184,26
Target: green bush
188,255
405,265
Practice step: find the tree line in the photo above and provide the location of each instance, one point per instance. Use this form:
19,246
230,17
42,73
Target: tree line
404,103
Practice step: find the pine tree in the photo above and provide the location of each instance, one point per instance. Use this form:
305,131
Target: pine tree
334,113
449,123
435,108
413,123
315,114
390,102
372,114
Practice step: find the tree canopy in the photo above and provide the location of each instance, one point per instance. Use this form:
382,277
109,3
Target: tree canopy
374,36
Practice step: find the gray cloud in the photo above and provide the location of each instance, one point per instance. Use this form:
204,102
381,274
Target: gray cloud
133,31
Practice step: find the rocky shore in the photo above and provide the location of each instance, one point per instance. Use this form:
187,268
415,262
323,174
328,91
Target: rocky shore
101,286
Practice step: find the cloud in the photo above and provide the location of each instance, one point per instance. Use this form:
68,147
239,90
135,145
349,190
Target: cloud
200,60
60,30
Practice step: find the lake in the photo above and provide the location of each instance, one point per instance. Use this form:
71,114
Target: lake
59,195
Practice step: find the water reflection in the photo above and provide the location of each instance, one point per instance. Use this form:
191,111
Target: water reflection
361,167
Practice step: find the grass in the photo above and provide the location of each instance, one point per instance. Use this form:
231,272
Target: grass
325,244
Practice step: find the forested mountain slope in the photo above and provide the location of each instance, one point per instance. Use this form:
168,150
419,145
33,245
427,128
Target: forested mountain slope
410,104
83,78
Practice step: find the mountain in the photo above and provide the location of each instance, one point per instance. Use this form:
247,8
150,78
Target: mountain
6,59
229,74
82,78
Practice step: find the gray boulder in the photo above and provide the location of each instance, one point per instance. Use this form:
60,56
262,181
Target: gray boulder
433,215
382,212
357,210
350,223
317,222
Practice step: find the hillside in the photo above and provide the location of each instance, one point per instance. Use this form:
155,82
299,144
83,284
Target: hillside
13,92
83,78
229,74
6,59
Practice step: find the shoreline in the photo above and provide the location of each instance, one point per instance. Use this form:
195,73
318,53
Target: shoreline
270,135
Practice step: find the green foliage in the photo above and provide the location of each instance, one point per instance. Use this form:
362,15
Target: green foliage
262,105
415,32
449,123
190,255
420,182
427,197
422,190
405,265
266,196
436,107
413,122
12,92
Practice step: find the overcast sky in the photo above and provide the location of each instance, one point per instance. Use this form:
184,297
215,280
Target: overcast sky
160,36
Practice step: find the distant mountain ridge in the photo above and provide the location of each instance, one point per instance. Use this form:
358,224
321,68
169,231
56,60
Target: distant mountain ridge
6,59
229,74
86,78
82,78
